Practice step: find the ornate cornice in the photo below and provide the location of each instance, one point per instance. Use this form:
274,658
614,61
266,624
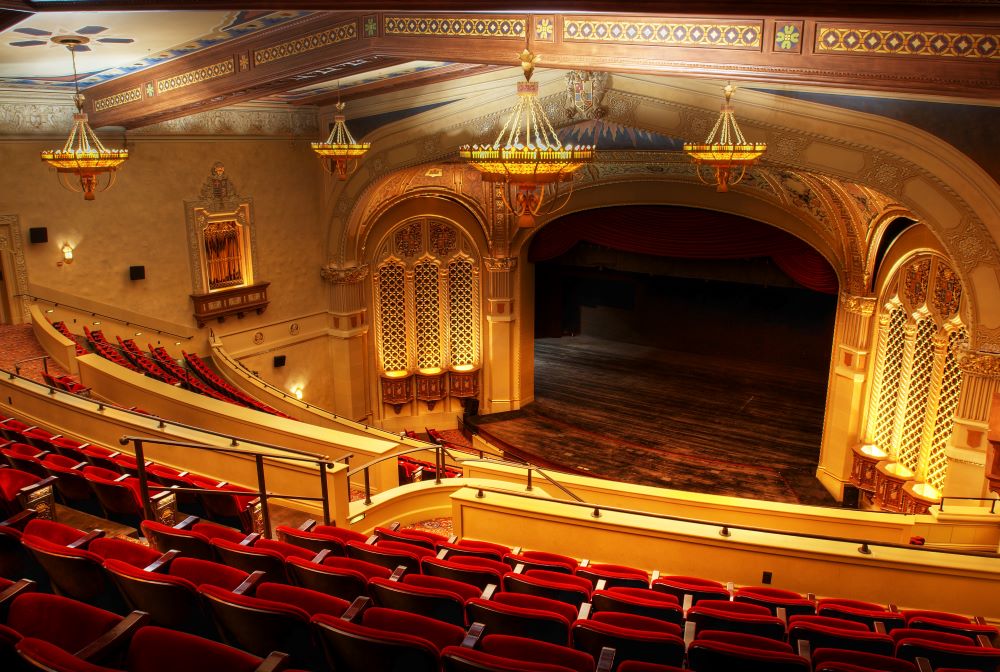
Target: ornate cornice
983,364
861,305
344,276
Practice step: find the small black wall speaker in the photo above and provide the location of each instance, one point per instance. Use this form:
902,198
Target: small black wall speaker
136,272
38,234
279,360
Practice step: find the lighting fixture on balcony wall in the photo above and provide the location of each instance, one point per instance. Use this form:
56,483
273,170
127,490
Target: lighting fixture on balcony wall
83,156
725,150
528,156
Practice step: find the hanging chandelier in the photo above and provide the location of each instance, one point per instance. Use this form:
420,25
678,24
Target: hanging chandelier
726,151
83,155
528,155
340,149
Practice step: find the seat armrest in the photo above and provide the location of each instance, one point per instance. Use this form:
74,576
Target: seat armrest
250,539
584,612
115,638
923,664
275,662
473,635
307,526
357,606
321,556
123,477
85,540
20,519
489,590
601,584
7,596
39,496
397,573
394,525
689,632
80,465
162,563
370,541
249,586
805,651
187,523
606,660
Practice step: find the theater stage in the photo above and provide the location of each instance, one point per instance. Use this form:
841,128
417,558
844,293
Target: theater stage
669,419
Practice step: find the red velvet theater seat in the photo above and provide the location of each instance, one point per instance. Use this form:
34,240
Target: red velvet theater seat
697,588
438,598
552,562
523,616
639,601
567,588
473,570
614,576
774,598
842,660
750,619
345,578
632,637
711,655
319,538
264,555
503,653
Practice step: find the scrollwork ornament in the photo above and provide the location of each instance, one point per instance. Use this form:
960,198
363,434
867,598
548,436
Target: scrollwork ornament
983,364
500,265
860,305
344,276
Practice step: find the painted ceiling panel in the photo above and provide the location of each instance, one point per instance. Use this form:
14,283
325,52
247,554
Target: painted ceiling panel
121,42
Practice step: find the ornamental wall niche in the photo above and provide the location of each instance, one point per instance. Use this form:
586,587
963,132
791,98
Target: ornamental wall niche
686,109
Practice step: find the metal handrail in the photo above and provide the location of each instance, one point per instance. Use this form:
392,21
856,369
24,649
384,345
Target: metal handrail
725,528
234,441
991,500
44,358
102,315
322,465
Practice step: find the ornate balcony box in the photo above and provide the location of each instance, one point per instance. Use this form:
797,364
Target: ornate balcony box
863,472
463,382
236,301
890,477
431,386
397,388
919,497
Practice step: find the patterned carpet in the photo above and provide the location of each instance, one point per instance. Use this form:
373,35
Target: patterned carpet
668,419
18,343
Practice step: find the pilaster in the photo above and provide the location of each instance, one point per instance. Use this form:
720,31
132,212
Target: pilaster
501,393
967,447
349,359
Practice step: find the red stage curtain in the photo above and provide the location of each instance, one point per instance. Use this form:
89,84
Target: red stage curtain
689,233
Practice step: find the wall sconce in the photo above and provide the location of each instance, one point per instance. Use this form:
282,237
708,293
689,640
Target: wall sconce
297,391
67,253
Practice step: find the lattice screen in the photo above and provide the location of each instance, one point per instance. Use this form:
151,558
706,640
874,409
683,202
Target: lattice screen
951,384
427,303
392,316
917,397
461,306
886,409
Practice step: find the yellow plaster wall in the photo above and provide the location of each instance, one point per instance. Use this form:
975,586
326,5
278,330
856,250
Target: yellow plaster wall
140,221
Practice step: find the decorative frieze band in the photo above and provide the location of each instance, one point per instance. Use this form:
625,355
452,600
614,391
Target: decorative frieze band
121,98
979,363
665,32
880,41
197,76
300,45
500,265
478,26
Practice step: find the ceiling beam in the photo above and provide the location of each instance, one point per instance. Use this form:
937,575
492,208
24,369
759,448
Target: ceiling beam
899,57
434,76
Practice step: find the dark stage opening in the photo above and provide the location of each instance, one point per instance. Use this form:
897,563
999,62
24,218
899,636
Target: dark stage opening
679,348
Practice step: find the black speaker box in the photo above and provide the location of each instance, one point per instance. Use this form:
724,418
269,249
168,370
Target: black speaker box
852,497
38,234
279,360
136,272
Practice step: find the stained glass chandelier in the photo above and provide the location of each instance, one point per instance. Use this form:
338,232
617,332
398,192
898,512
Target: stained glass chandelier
83,155
340,149
528,155
725,151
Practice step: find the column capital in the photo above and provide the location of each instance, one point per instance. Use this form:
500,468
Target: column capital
862,305
343,276
984,364
500,264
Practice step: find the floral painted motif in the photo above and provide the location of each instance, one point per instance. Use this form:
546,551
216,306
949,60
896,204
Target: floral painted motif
787,37
915,282
947,292
443,239
408,239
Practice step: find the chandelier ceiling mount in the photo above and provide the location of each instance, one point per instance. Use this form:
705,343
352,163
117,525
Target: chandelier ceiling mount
725,150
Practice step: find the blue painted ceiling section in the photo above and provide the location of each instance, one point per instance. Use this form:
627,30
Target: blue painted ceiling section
362,126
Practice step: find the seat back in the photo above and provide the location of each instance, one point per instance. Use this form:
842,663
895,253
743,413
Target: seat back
344,583
251,559
573,590
629,643
351,646
639,601
681,586
156,649
822,636
440,604
260,626
714,656
170,601
518,621
942,655
614,577
164,538
447,569
760,625
310,540
388,559
74,573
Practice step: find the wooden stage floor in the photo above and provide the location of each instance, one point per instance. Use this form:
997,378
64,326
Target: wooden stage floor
670,419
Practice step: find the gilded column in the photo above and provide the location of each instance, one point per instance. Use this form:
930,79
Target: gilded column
905,375
933,401
845,392
878,375
967,447
349,340
501,373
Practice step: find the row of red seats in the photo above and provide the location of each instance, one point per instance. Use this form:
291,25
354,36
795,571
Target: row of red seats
145,363
198,365
412,470
66,383
100,481
61,327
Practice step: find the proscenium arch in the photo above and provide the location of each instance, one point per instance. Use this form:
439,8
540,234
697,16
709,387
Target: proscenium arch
653,192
